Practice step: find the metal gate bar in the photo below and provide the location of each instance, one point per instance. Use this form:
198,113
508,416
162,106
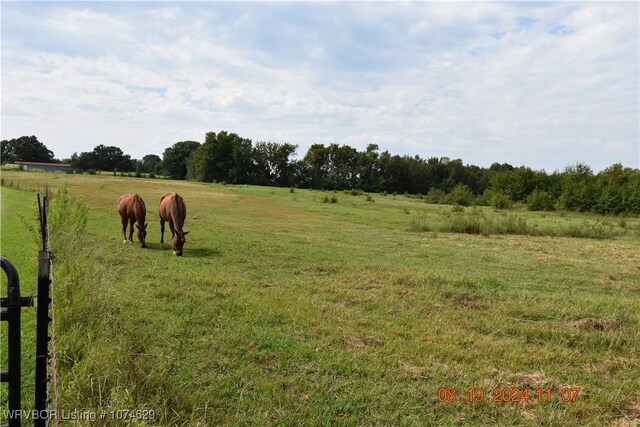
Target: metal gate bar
14,303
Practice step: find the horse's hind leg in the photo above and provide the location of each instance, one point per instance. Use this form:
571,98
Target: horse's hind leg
161,232
131,222
124,230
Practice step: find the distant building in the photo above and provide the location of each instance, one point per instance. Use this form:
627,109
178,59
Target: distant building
45,166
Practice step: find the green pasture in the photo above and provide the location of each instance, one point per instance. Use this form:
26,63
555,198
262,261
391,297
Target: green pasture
18,243
290,309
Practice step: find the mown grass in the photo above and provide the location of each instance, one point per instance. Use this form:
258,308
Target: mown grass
18,244
288,310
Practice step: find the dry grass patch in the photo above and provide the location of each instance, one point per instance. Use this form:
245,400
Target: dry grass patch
414,371
631,418
597,323
624,422
363,341
608,365
533,380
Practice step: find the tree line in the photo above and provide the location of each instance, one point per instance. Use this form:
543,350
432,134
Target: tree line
229,158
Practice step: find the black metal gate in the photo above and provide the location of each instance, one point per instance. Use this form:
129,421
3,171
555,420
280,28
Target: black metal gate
14,303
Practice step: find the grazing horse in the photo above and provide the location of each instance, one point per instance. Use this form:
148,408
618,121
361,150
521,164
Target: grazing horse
173,209
132,210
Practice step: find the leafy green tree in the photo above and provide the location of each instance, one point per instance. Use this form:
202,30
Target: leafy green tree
395,174
102,158
283,165
263,163
242,169
517,184
174,158
273,164
335,167
223,157
26,149
578,188
633,193
369,168
617,190
149,162
343,166
317,166
300,174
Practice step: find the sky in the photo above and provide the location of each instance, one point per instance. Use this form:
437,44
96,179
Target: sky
540,84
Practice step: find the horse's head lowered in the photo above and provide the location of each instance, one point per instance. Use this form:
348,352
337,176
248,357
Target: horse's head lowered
178,242
142,234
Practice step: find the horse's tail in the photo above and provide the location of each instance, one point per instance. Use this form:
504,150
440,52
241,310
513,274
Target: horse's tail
178,211
140,209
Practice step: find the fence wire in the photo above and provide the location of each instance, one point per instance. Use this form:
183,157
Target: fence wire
47,296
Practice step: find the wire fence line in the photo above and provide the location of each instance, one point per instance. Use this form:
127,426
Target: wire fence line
46,354
52,366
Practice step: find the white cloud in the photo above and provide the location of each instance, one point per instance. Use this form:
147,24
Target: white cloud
543,85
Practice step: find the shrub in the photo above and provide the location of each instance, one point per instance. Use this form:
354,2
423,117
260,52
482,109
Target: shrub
500,200
475,222
470,224
460,195
152,175
419,223
435,196
540,200
369,198
292,190
91,171
79,171
513,224
332,199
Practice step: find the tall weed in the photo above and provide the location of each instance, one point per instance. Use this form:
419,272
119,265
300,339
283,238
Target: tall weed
477,221
90,344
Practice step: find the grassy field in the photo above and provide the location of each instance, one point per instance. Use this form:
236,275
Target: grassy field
289,310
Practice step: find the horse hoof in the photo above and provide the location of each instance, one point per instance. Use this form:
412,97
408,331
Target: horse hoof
174,252
124,241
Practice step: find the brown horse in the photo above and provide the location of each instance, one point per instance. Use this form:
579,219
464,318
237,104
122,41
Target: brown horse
173,209
132,210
